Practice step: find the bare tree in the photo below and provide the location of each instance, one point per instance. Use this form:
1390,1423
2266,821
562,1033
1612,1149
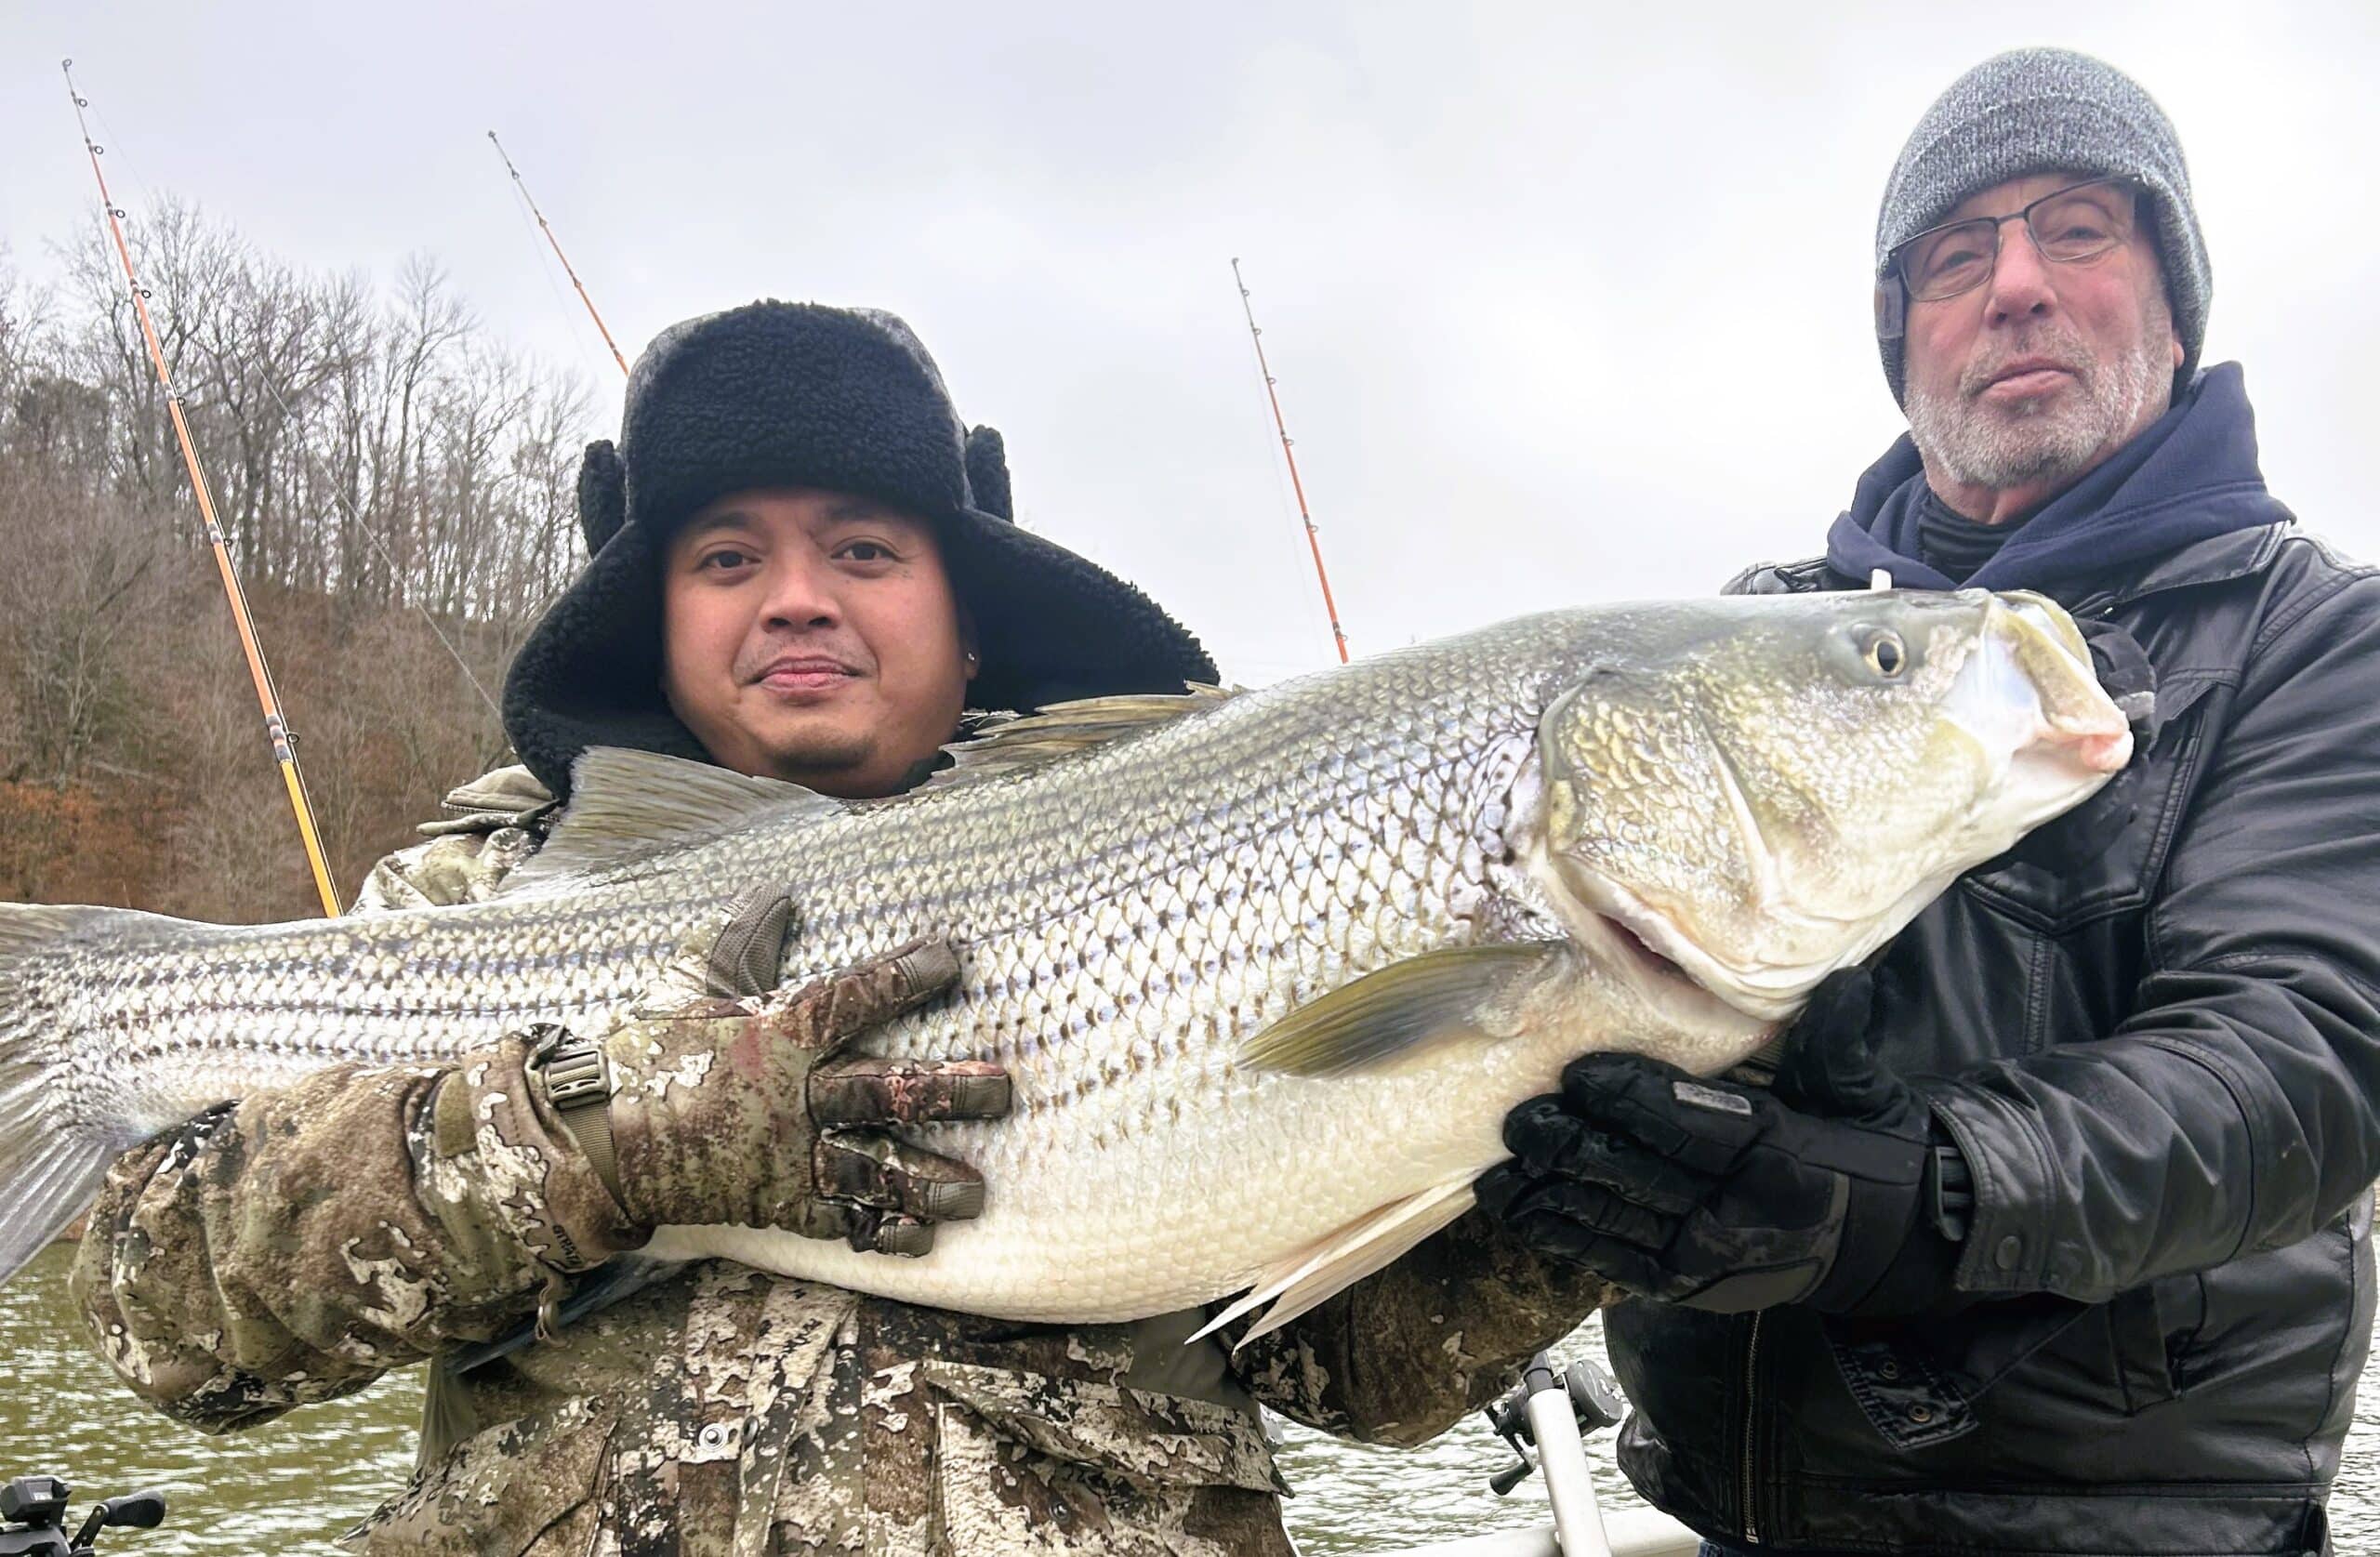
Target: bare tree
83,580
398,494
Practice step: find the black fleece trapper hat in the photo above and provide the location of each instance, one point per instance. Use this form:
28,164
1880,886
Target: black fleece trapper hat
842,400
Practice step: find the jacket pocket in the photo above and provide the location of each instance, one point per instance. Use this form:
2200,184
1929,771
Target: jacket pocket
1028,1463
525,1488
2149,1328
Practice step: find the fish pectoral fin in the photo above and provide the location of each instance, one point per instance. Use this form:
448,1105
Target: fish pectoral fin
1404,1011
1061,729
626,807
1372,1242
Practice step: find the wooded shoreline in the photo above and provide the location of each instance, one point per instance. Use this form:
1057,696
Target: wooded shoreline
387,474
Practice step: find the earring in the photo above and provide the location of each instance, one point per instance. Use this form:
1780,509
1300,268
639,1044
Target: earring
970,658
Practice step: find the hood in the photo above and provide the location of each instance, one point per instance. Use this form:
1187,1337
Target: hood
2191,475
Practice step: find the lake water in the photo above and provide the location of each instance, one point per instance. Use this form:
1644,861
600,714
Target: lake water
293,1484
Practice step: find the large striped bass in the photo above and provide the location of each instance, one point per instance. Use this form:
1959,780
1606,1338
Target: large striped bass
1267,969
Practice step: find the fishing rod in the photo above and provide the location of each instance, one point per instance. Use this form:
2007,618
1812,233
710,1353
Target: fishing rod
284,748
557,254
356,523
1313,535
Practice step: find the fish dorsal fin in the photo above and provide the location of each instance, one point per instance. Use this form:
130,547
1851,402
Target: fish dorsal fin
1012,743
1372,1242
630,806
27,927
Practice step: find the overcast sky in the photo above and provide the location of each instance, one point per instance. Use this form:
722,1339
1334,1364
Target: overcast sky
1568,303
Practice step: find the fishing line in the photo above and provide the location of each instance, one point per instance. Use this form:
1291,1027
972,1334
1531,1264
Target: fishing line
583,296
577,336
123,150
346,504
1290,559
355,519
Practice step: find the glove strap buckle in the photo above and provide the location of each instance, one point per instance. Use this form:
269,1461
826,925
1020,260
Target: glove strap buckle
578,1076
571,1071
576,1080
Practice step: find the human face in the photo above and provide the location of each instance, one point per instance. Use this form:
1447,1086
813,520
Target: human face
2019,388
815,637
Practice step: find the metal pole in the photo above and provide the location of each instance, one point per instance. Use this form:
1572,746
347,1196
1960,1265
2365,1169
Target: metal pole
1313,535
276,725
1562,1460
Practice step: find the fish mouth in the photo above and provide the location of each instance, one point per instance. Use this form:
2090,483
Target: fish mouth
1639,953
1626,937
2028,700
1640,940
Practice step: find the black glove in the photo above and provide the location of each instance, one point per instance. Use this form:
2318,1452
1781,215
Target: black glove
2068,842
1728,1199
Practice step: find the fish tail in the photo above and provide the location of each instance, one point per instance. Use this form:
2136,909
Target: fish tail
53,1153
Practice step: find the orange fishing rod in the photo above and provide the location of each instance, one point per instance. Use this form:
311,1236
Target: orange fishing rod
284,751
557,254
1313,535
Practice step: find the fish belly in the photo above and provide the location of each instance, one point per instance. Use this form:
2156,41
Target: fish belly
1091,1221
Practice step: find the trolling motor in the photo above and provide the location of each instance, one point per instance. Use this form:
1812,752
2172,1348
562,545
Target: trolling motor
32,1518
1554,1412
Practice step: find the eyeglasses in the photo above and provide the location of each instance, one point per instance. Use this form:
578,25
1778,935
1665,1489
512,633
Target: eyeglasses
2068,226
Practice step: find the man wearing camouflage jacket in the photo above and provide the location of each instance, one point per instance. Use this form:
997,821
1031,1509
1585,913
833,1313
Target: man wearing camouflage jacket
293,1247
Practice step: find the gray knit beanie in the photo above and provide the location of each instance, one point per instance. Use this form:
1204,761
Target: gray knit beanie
2042,110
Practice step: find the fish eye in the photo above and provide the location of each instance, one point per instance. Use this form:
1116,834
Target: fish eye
1884,653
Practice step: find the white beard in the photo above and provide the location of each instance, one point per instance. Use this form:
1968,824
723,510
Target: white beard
2047,440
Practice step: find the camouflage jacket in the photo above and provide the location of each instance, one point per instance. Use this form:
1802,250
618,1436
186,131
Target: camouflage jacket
293,1247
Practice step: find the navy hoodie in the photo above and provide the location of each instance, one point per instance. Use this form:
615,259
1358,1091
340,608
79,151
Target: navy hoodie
2191,475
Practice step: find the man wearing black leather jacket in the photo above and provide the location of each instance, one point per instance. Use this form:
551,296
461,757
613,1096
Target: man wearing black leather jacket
2052,1236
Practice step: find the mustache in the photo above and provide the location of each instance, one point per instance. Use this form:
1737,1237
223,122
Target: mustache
2063,346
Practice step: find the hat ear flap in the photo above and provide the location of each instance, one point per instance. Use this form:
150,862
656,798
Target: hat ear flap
987,473
602,495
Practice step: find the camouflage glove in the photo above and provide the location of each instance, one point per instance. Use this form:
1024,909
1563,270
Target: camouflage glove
735,1107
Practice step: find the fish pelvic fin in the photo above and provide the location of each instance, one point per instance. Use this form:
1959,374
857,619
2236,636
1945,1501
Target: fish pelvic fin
52,1156
629,809
1322,1270
1405,1012
1010,745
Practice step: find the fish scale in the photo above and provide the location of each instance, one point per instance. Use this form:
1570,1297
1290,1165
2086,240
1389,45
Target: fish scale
1265,971
1280,880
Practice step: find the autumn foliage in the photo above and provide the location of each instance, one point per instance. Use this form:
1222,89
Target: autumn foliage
398,495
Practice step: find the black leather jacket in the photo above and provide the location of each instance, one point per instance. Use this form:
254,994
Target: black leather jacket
2164,1072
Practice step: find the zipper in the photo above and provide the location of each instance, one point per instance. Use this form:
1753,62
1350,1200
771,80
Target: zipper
1752,1427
